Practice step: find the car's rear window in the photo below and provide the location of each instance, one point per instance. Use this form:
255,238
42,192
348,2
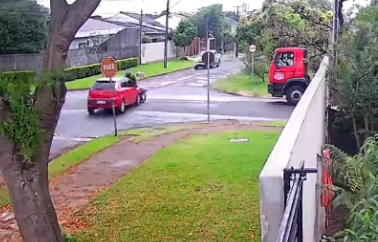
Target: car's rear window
104,85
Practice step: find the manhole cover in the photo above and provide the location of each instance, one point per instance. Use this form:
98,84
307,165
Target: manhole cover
239,140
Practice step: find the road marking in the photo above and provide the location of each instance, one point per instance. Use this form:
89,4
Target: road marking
188,77
73,139
163,84
203,97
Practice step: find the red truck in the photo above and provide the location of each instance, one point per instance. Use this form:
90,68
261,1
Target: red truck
288,74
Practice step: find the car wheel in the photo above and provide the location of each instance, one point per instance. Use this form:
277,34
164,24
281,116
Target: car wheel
196,67
91,111
294,94
122,108
137,101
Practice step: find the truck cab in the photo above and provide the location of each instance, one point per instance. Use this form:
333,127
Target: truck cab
288,74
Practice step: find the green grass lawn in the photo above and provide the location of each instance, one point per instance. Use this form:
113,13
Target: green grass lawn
151,69
242,84
203,188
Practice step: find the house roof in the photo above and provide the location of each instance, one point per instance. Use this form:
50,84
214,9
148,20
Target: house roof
145,29
95,27
123,19
174,19
145,19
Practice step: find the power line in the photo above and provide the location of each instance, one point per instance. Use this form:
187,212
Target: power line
175,4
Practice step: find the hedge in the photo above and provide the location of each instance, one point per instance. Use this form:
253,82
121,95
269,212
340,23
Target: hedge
73,73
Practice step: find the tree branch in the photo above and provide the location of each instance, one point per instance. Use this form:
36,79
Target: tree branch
305,16
79,12
58,5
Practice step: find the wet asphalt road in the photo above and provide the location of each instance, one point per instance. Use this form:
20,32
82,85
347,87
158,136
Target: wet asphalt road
176,97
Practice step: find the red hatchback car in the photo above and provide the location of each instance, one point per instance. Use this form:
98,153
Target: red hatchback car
120,90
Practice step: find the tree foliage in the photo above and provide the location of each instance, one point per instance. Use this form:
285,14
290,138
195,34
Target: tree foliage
23,26
356,84
185,33
213,19
287,24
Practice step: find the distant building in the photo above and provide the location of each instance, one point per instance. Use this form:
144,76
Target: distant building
97,29
174,19
93,32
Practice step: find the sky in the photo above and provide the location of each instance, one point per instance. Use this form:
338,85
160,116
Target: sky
111,7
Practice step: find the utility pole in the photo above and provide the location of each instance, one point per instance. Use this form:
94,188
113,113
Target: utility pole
335,31
208,69
166,36
236,42
140,36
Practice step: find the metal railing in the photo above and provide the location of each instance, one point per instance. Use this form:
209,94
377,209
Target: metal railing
291,227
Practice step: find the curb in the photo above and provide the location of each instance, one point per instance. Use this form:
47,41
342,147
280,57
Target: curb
237,94
141,79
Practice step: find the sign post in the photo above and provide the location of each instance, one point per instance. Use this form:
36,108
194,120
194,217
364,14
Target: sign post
109,69
252,49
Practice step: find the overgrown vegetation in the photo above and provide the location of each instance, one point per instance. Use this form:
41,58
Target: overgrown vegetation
23,124
285,24
356,187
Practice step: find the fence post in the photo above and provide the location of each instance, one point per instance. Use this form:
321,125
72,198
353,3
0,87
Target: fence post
287,180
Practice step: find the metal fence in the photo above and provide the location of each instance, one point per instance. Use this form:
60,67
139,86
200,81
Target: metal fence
291,227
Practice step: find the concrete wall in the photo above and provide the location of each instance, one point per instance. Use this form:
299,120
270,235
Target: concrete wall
155,51
124,44
301,140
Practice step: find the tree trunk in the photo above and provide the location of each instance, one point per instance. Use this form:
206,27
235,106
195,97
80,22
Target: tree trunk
30,197
28,183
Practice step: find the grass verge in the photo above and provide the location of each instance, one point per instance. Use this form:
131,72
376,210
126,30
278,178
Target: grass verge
276,123
242,84
203,188
151,69
85,151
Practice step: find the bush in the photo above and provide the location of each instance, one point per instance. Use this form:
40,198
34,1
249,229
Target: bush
15,76
260,67
183,58
73,73
127,63
355,182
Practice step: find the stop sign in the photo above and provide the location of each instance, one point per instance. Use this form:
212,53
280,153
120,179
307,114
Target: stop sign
109,67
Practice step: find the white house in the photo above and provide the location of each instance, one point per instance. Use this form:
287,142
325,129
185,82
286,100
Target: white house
94,30
173,21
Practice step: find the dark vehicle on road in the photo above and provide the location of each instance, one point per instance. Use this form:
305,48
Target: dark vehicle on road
202,61
288,74
120,91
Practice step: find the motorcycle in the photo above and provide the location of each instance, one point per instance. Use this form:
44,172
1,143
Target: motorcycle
142,95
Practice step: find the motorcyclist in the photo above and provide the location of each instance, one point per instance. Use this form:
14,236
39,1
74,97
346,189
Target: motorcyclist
132,79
